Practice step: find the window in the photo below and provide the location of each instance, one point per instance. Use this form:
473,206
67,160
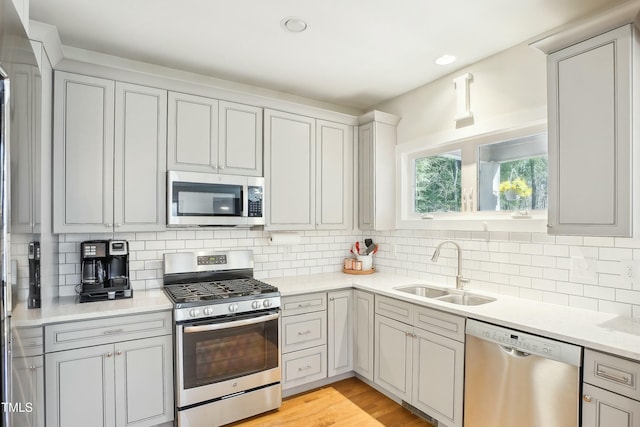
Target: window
512,174
438,185
481,182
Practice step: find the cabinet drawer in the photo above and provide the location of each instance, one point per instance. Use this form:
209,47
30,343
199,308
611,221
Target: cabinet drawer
441,323
394,309
612,373
304,366
304,331
27,341
306,303
65,336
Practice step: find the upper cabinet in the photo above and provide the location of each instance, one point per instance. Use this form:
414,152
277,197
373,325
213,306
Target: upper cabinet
593,74
109,155
377,171
308,173
207,135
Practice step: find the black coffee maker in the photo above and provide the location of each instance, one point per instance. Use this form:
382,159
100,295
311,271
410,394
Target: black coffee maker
105,270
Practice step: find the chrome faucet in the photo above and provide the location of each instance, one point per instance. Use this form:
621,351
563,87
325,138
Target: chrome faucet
460,281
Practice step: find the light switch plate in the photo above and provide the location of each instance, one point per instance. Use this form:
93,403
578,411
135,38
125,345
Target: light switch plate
630,273
583,270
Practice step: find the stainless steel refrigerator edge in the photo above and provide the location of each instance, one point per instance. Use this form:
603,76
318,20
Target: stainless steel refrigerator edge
15,48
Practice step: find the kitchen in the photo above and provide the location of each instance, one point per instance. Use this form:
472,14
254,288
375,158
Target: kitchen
507,257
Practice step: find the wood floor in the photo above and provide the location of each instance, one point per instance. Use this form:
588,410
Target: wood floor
348,402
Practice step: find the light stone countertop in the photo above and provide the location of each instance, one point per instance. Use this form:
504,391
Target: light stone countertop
599,331
68,309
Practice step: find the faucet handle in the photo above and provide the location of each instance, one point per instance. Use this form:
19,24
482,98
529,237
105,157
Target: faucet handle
461,281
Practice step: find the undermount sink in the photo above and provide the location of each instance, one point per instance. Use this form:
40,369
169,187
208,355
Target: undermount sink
466,299
453,296
423,291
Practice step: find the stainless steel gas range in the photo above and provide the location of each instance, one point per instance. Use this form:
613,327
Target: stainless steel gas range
227,355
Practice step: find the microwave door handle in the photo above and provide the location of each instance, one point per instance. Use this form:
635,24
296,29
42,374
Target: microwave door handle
227,325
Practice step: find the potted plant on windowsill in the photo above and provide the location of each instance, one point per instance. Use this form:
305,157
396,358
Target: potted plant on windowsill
514,189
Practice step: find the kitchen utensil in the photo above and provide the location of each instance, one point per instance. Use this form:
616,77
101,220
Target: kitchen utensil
368,242
357,248
371,249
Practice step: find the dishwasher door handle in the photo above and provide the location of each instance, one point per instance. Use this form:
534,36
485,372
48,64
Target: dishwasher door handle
514,351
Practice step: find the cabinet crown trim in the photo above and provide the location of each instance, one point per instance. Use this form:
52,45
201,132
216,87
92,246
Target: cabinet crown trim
578,31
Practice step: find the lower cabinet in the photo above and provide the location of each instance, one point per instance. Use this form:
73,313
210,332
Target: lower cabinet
28,391
610,393
363,324
340,332
421,363
118,383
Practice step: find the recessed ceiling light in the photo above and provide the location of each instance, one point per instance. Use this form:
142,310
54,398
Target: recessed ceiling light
294,25
445,59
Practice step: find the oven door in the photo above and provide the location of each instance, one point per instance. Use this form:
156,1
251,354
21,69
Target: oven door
221,357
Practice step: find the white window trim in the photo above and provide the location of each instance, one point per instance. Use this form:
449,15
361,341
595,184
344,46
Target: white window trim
406,154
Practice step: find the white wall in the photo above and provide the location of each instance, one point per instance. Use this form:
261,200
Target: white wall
507,90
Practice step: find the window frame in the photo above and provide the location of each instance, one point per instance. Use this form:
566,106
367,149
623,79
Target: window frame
407,218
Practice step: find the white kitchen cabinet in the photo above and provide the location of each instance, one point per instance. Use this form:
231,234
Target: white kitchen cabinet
207,135
290,170
27,386
139,198
340,332
25,142
102,373
363,320
593,135
377,171
109,166
610,392
419,357
602,408
308,173
304,339
393,358
28,389
192,133
334,176
240,151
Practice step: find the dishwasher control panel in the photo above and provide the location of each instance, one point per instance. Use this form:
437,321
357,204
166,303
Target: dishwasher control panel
525,343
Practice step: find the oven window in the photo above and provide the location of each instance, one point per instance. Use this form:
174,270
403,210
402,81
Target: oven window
214,356
197,199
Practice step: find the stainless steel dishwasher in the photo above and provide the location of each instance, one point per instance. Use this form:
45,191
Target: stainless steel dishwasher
518,379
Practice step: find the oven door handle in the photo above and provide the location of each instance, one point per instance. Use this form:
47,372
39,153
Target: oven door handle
228,325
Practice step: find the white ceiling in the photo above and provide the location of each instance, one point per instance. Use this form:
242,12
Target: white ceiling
355,53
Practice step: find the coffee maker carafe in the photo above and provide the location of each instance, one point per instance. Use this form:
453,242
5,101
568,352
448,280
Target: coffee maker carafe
105,270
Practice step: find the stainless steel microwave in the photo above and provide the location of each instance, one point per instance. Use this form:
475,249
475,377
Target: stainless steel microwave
208,199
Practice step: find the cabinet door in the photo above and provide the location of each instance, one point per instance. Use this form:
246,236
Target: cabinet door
393,357
601,408
80,387
590,95
140,158
144,381
438,373
21,149
340,335
363,333
192,133
366,179
28,389
334,175
240,139
83,153
289,171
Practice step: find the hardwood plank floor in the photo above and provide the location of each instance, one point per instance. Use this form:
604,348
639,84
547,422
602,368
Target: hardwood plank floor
345,403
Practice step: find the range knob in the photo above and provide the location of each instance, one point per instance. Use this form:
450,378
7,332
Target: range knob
233,308
194,312
208,311
256,304
266,303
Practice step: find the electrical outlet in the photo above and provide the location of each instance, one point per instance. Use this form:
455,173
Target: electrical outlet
583,270
630,273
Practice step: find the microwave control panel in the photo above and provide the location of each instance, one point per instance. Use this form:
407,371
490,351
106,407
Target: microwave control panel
255,201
